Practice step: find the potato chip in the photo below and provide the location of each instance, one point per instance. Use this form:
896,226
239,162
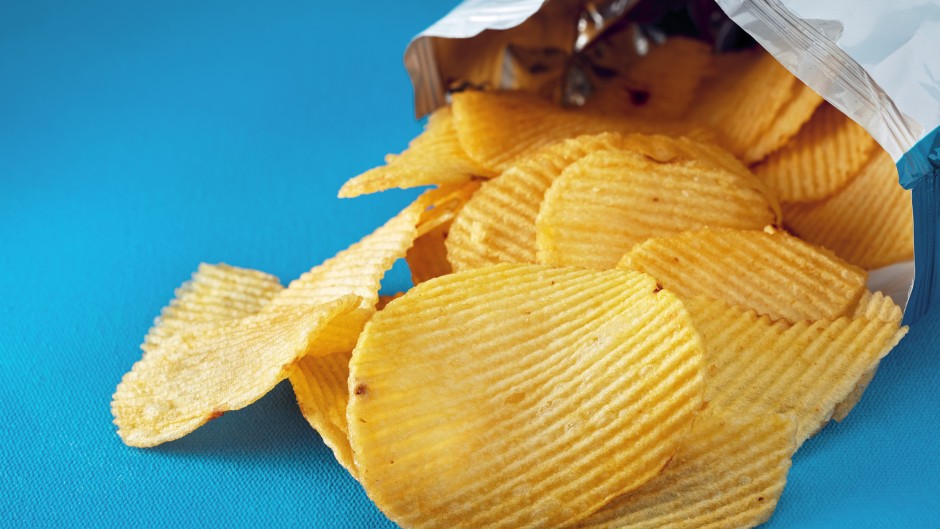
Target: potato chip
498,224
520,395
215,293
827,152
605,203
498,128
433,158
385,300
427,258
743,99
207,369
788,122
757,366
869,223
660,85
729,474
770,271
320,383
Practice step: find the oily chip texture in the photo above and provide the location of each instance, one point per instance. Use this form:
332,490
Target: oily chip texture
869,223
497,225
729,475
520,395
435,157
607,202
769,271
207,369
757,366
820,160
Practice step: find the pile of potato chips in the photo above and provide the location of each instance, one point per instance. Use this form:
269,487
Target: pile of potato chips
626,315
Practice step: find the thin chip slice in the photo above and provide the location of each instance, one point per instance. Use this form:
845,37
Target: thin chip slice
385,300
869,223
497,225
775,273
427,258
205,370
827,152
433,158
790,119
497,129
320,383
216,292
743,99
520,395
730,474
756,366
608,201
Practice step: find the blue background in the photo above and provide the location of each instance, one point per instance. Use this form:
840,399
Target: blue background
138,140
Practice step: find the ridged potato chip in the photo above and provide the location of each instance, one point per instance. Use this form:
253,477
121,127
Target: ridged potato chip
205,370
820,160
320,384
869,223
427,258
435,157
787,124
498,128
605,203
756,366
520,395
498,224
770,271
730,474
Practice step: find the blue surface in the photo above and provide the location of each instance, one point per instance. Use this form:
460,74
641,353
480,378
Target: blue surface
138,140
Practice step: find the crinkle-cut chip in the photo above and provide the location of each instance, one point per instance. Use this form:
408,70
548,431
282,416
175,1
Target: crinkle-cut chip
498,223
207,369
770,271
660,85
756,366
791,118
427,259
320,383
729,474
385,300
497,129
608,201
215,292
435,157
520,395
869,223
821,159
873,306
744,97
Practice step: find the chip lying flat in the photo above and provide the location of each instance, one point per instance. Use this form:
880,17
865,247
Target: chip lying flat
756,366
869,223
827,152
605,203
770,271
434,157
215,293
497,225
520,395
729,475
498,128
208,369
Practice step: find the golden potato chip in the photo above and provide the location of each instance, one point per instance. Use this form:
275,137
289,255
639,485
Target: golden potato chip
498,128
744,99
605,203
385,300
869,223
756,366
435,157
520,395
661,85
215,293
821,159
498,224
729,474
788,122
320,383
207,369
427,258
770,271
